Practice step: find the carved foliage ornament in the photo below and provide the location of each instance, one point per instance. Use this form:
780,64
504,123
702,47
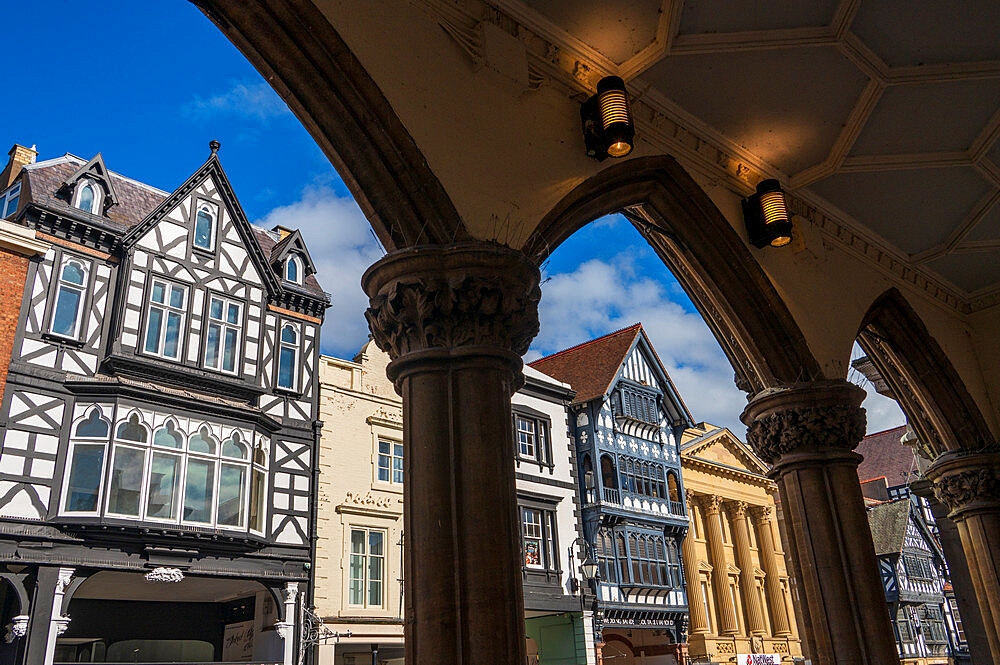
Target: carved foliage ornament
958,490
166,575
452,311
830,426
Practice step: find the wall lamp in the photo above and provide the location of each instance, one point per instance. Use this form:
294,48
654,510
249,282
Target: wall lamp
608,127
766,216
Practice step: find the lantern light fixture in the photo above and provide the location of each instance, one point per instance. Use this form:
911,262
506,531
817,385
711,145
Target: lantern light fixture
766,216
608,127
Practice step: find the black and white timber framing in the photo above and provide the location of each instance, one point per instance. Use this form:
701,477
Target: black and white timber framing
94,387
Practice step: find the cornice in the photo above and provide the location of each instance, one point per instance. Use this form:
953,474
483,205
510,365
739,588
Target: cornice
726,471
557,59
21,239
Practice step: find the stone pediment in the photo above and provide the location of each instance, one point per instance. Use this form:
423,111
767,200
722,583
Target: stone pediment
725,449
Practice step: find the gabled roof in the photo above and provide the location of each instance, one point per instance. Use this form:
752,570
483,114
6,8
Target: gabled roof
884,455
96,170
292,242
591,368
708,436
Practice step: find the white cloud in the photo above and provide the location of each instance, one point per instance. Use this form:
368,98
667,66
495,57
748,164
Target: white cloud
601,296
341,244
257,100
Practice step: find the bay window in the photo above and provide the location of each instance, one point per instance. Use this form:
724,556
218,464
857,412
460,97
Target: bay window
222,336
288,353
366,567
70,295
160,479
165,319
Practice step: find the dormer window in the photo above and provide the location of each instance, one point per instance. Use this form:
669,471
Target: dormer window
293,270
87,198
204,226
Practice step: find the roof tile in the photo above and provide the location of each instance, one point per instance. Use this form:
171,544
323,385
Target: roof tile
590,367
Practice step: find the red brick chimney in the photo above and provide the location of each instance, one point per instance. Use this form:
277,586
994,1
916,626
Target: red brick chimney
19,156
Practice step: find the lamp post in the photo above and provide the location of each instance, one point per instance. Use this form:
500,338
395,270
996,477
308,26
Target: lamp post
589,572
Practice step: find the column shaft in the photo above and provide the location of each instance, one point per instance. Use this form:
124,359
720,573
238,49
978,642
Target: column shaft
772,582
696,603
456,321
807,432
744,559
969,484
720,567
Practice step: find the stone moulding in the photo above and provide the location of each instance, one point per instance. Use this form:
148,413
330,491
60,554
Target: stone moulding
967,481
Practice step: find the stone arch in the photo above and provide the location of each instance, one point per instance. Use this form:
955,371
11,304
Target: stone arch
626,643
933,396
713,265
310,66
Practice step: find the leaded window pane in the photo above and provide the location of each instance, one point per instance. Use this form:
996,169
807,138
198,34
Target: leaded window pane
85,475
125,492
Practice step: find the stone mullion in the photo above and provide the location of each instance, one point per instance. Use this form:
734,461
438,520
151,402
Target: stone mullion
968,483
807,432
696,601
772,584
456,321
720,566
744,559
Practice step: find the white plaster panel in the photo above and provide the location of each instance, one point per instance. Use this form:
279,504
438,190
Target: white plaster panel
301,483
32,345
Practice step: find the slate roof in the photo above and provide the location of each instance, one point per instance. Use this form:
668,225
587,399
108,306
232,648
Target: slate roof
884,455
590,367
135,201
888,524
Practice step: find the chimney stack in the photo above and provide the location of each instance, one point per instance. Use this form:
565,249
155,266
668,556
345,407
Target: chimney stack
19,157
282,232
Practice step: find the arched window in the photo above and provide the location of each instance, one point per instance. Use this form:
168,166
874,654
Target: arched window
588,473
94,426
288,356
673,489
67,312
233,482
204,226
258,487
168,436
128,465
623,569
132,430
661,563
87,197
674,564
293,270
202,442
608,476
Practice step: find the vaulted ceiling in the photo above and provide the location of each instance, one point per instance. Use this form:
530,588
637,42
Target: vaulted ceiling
881,115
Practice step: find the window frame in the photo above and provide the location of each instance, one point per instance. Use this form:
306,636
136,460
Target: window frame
75,440
542,435
95,207
184,310
12,193
637,403
393,444
223,324
293,259
551,556
59,263
215,211
366,580
296,363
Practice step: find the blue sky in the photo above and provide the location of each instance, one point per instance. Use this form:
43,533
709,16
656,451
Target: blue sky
150,83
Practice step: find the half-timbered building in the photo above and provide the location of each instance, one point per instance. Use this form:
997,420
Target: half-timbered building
159,424
627,419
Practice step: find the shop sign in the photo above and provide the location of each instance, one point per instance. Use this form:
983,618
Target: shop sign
758,659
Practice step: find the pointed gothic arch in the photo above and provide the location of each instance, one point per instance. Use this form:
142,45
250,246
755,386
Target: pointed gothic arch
930,391
699,246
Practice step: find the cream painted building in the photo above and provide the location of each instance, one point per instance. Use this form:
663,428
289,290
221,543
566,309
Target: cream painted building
738,585
358,580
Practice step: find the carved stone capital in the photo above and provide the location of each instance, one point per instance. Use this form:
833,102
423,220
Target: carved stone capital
291,592
737,509
470,294
61,623
760,514
965,482
284,629
815,416
18,627
709,503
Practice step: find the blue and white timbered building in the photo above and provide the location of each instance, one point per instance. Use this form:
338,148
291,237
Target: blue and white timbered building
914,578
626,421
159,424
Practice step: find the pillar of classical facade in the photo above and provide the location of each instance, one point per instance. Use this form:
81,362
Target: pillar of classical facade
456,321
807,432
710,506
761,516
968,483
744,559
696,603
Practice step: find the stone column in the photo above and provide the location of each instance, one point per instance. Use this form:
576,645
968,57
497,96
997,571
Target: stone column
808,432
728,625
455,321
696,603
969,484
744,559
761,516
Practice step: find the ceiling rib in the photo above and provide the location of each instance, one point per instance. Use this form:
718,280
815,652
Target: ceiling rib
980,210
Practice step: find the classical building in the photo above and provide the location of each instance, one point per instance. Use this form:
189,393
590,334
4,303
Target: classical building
158,423
627,419
361,534
738,584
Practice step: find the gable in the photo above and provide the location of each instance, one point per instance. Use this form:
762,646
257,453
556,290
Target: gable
233,253
641,365
96,171
726,449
